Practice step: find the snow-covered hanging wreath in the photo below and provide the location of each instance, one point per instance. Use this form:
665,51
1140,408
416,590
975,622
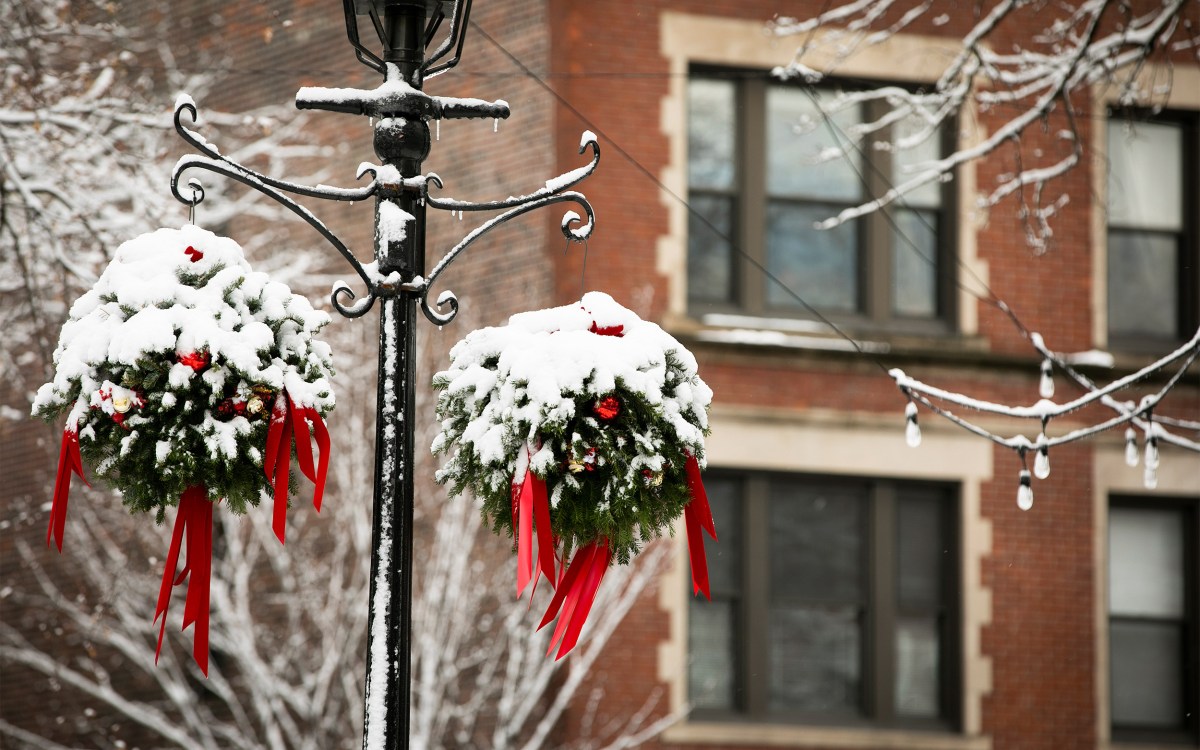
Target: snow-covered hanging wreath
587,423
183,376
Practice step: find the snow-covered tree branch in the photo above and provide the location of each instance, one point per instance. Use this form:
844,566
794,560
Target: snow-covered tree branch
1021,82
86,149
86,146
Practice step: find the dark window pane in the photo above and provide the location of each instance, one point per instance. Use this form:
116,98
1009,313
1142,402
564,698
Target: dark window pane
920,551
816,542
1145,175
915,264
918,649
819,265
1142,291
1147,674
711,654
711,133
710,255
725,559
815,660
811,156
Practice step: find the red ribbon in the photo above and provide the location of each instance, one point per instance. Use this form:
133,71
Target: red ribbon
194,520
531,506
697,515
289,421
68,461
575,595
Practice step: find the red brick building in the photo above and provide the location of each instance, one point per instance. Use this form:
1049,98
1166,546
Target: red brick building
865,594
869,595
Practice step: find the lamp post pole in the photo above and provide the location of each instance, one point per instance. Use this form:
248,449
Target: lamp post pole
403,143
400,112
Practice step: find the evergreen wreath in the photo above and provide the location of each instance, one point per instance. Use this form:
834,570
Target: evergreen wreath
184,376
605,408
585,423
169,369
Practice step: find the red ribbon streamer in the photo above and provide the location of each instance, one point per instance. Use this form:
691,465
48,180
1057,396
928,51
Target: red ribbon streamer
575,595
697,515
68,461
287,422
194,520
531,506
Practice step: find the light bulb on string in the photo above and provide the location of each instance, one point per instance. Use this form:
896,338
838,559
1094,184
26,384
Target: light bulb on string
1131,447
1046,383
1041,462
1025,491
912,431
1150,478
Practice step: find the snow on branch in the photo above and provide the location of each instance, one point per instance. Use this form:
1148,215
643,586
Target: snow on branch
1017,86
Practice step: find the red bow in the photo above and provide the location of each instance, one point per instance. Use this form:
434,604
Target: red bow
288,420
575,595
68,461
617,330
195,520
697,515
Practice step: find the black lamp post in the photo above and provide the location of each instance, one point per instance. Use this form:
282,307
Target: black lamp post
398,279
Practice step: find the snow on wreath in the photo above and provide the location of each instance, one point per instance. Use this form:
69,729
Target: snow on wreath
183,376
585,423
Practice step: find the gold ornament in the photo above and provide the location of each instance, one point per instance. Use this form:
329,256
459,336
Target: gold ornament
575,466
121,403
254,405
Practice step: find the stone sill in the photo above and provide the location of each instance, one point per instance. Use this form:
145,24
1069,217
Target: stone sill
775,735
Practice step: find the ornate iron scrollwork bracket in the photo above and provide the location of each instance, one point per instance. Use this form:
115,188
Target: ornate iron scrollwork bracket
392,99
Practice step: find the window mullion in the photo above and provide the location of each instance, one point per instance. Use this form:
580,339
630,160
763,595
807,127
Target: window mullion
752,178
1191,624
756,603
876,260
881,618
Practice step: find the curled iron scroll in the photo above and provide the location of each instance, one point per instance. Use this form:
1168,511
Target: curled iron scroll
213,161
574,228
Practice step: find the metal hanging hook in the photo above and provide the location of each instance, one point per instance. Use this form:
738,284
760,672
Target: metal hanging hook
197,196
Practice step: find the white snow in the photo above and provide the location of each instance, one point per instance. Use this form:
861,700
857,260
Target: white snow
156,300
393,223
755,337
530,372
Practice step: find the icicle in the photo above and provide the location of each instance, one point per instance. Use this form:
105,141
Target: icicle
1025,491
437,130
1041,462
912,431
495,124
1150,478
1046,386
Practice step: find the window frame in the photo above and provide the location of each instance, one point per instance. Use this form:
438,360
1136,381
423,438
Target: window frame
1187,245
1189,735
876,230
881,608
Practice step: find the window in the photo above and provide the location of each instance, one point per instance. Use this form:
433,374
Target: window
1153,630
833,602
757,182
1152,235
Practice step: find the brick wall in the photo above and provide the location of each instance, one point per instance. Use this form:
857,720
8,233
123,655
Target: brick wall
1041,640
